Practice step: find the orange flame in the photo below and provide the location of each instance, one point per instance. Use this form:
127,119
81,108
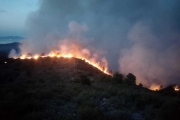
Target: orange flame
154,87
97,65
22,57
176,88
36,57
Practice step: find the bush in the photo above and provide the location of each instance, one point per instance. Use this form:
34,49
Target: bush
140,85
117,78
121,115
89,113
170,110
105,78
130,79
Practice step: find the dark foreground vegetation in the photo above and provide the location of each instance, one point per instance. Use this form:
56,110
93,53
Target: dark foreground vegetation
66,89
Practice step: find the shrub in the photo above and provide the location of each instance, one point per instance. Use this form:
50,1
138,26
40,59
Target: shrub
105,78
140,85
130,79
170,110
89,113
117,78
121,115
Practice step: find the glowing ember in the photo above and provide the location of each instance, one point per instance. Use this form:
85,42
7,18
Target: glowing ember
22,57
176,88
154,87
36,57
28,57
52,55
67,56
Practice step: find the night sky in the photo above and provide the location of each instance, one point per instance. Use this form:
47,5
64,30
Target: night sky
138,36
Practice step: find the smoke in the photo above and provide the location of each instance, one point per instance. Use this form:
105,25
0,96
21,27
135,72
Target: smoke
136,36
13,53
146,59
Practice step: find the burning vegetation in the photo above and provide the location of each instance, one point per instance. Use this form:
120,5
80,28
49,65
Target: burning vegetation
92,62
59,55
176,88
173,87
67,48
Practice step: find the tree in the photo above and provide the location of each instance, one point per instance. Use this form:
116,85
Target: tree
161,87
130,79
117,78
140,85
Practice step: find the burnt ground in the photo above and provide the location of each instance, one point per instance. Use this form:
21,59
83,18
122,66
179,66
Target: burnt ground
69,88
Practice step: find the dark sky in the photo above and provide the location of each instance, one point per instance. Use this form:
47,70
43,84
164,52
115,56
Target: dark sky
138,36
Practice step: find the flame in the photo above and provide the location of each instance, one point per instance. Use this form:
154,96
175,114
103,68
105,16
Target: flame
22,57
176,88
36,57
52,55
28,57
68,56
154,87
58,55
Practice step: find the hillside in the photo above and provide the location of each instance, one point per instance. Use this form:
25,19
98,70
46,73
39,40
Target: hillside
69,88
10,39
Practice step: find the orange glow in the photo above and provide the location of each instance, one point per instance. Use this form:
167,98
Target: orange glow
67,56
52,55
28,57
154,87
97,65
22,57
176,88
36,57
43,56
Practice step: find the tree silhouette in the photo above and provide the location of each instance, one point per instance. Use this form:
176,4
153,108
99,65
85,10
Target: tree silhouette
130,79
117,78
140,85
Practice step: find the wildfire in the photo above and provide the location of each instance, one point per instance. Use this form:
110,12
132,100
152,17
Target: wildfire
176,88
22,57
36,57
58,55
154,87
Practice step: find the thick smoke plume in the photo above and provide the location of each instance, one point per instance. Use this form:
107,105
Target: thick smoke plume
141,36
151,64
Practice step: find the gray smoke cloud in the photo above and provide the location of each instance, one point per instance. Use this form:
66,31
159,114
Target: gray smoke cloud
151,61
136,36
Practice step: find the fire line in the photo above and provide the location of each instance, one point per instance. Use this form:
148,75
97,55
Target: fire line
97,65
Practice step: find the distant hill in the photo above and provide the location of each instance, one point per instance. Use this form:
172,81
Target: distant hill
11,37
7,43
71,89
